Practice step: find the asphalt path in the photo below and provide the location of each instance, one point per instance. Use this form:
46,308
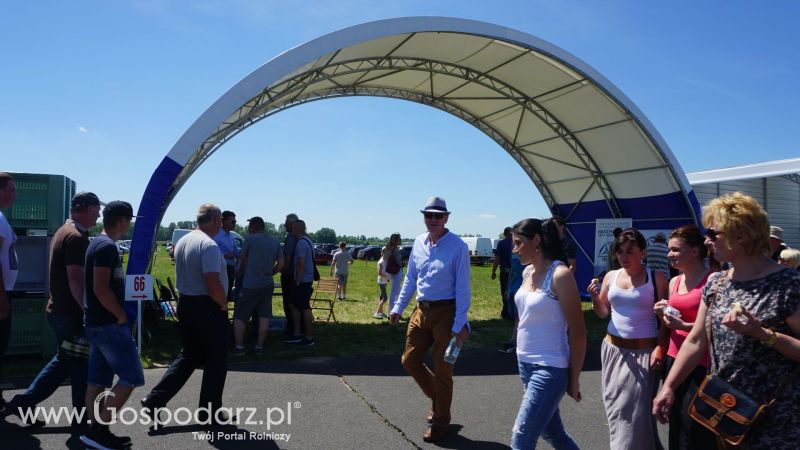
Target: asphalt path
339,403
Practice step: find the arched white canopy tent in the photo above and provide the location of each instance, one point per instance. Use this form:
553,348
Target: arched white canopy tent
590,152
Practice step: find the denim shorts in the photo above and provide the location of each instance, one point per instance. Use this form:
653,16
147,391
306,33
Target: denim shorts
342,278
113,352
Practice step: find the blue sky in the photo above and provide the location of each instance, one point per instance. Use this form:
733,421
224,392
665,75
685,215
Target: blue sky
100,91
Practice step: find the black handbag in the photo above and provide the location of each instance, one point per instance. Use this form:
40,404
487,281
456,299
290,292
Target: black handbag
726,411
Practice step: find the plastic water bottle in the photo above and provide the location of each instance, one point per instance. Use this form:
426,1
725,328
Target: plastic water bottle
453,349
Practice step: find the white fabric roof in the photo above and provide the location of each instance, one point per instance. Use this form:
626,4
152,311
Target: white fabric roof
577,136
747,172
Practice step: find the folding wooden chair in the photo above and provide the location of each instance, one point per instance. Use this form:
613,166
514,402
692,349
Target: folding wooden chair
325,297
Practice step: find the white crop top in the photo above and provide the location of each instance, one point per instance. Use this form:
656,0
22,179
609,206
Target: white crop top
632,310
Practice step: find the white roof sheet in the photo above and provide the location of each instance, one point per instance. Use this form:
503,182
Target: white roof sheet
747,172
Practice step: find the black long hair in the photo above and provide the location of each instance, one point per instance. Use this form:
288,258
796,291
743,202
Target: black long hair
548,230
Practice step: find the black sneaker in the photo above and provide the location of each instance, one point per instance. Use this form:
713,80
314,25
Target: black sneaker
101,438
508,348
150,411
294,340
307,342
239,351
258,350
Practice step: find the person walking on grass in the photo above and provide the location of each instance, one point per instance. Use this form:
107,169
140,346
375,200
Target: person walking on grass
383,280
393,257
340,268
113,350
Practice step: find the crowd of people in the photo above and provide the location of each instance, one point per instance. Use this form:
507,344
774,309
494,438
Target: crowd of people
732,309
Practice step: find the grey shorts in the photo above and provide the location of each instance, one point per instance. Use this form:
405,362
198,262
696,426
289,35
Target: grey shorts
258,300
342,277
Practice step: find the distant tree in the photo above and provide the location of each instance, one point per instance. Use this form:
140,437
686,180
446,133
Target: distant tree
281,233
271,231
187,224
325,236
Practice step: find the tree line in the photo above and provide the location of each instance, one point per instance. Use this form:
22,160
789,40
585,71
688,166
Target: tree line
324,235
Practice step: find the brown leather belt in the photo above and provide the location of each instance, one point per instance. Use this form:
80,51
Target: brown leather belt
425,304
632,344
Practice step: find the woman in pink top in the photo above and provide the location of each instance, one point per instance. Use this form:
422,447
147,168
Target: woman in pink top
686,253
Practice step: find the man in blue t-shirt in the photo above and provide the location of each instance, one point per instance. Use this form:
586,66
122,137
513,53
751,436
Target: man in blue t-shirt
112,351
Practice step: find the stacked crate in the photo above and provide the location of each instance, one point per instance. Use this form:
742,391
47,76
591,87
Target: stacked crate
41,207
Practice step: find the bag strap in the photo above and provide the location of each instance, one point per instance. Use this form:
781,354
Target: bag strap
786,381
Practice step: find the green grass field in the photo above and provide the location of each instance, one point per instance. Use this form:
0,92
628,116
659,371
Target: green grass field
356,332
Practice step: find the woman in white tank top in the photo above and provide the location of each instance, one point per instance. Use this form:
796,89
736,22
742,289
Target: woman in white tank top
551,336
634,348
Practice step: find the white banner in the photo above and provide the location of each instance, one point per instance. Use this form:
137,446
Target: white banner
138,288
603,238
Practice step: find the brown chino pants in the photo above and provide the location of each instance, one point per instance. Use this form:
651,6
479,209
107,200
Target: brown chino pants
431,327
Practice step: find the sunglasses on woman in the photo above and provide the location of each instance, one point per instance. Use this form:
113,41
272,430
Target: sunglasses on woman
712,234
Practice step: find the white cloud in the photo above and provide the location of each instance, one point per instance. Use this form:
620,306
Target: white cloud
82,129
485,216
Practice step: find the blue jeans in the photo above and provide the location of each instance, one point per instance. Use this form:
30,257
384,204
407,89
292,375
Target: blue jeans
538,414
59,368
113,351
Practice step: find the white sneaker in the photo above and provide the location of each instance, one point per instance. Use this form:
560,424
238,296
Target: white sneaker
378,316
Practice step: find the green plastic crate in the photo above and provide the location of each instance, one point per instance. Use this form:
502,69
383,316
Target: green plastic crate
30,331
42,202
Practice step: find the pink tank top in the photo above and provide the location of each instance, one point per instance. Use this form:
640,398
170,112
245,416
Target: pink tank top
687,304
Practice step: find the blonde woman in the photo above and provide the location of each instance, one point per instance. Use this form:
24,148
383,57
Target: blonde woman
755,346
393,267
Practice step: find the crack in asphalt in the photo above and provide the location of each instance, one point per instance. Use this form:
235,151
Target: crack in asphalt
374,410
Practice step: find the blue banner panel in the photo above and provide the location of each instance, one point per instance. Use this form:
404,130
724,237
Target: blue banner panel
659,212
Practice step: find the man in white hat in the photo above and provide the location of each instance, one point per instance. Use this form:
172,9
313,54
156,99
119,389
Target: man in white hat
438,271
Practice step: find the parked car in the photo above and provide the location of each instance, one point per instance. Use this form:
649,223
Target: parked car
371,253
322,258
355,249
405,252
480,249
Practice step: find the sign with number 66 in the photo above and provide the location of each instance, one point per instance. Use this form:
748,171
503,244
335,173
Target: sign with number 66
138,288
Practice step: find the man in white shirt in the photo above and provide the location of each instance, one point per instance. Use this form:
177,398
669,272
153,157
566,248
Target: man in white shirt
8,267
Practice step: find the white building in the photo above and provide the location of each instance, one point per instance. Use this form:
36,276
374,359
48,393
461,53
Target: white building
775,184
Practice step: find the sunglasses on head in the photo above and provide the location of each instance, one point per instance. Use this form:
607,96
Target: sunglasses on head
712,234
430,215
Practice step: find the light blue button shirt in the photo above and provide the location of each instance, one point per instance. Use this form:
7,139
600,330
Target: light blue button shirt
226,244
438,272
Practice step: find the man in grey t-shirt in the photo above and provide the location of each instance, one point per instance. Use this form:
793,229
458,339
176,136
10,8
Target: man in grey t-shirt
260,259
202,281
340,267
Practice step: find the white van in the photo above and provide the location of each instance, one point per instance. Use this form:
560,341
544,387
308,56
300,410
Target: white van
480,249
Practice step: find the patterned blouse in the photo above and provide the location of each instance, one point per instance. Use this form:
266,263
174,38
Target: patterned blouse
750,366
